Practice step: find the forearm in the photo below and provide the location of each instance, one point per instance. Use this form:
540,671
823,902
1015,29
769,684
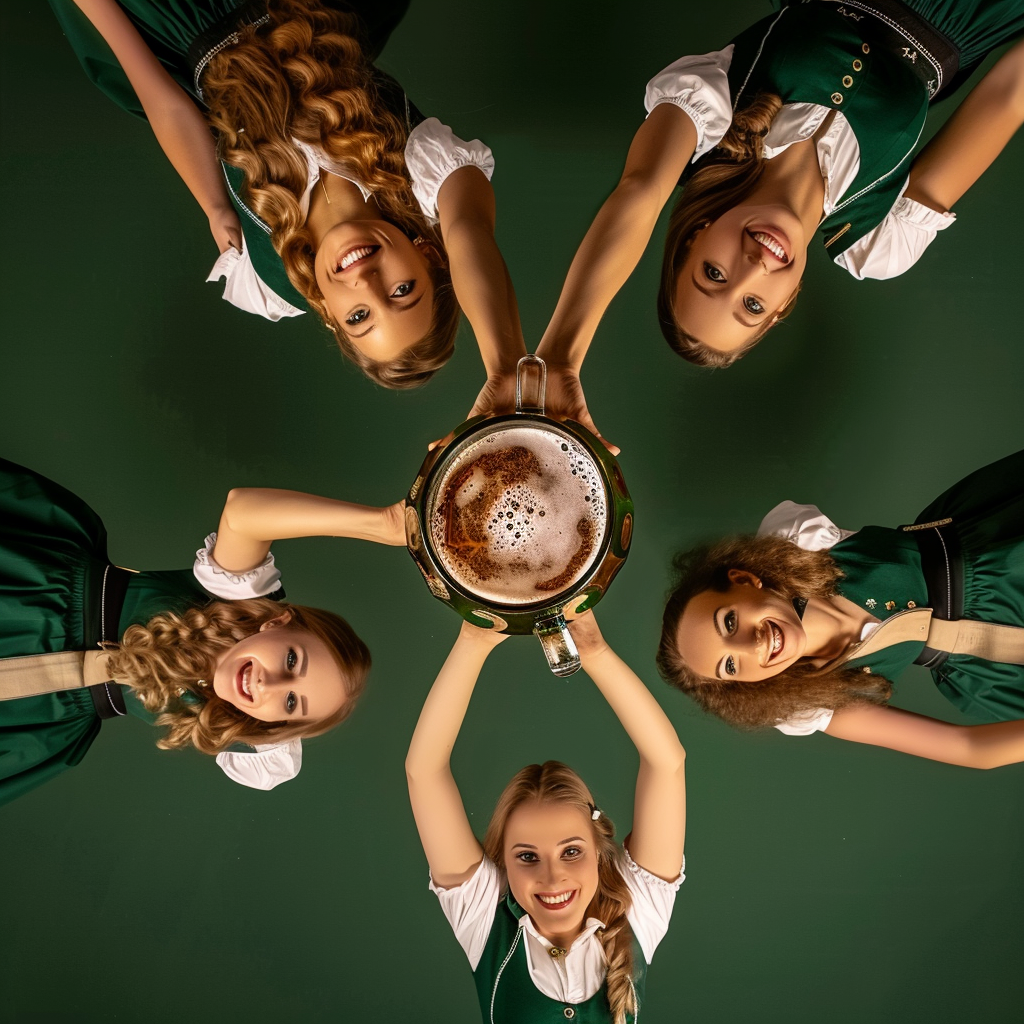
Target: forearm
179,126
484,290
636,708
428,762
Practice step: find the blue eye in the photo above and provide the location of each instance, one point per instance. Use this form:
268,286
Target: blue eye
357,317
751,305
291,702
712,273
730,666
292,659
729,622
526,857
403,289
572,852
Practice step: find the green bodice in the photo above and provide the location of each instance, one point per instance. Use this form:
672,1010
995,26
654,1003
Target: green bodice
508,995
811,53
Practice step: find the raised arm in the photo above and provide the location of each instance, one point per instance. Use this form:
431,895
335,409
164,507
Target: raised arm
612,247
481,280
453,851
659,807
973,137
254,517
179,126
972,746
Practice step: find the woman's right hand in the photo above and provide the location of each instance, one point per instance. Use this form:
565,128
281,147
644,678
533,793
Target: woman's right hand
587,634
564,400
226,229
475,636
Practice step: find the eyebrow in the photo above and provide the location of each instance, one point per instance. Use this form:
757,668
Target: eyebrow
735,315
400,309
561,842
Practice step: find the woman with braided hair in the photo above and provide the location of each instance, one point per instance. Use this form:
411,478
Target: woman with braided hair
326,190
556,918
214,653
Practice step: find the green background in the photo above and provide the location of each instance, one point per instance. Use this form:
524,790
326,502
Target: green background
826,880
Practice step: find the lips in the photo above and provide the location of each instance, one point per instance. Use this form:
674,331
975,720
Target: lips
774,244
243,678
352,256
555,901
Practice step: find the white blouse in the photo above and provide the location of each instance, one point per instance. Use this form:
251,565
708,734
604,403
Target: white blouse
432,153
575,977
699,86
272,763
808,528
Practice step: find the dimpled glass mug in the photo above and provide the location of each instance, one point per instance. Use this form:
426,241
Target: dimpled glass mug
519,520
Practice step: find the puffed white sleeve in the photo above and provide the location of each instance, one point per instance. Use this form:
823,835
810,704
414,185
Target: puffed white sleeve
807,722
897,243
434,151
699,86
805,525
470,908
264,579
269,766
653,900
244,288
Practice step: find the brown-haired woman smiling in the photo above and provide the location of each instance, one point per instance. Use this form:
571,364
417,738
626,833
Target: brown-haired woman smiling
335,194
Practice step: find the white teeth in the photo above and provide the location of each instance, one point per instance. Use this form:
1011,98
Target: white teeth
771,245
776,639
354,256
555,900
245,680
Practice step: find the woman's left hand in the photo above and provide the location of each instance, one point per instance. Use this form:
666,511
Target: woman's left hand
226,229
497,397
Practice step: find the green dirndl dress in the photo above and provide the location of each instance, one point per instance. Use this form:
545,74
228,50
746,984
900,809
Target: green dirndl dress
845,57
53,553
507,994
884,574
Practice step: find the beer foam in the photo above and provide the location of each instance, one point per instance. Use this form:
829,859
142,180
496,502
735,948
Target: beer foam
519,516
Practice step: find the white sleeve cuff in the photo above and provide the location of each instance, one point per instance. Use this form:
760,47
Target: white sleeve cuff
807,723
653,900
805,525
470,908
272,764
699,86
244,288
897,243
264,579
434,151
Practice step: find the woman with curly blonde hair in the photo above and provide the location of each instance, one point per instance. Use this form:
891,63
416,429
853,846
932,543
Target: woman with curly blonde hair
556,918
325,188
804,626
807,122
213,654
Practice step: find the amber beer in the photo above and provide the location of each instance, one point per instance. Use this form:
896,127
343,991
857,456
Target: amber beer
519,517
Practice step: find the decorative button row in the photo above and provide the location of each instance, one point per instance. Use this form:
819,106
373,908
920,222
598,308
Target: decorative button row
858,65
889,605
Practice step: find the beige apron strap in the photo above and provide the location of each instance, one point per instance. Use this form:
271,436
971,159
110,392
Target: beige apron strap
36,674
980,639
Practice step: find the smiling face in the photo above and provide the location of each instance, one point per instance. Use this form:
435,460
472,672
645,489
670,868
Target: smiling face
376,286
741,270
745,633
281,674
551,863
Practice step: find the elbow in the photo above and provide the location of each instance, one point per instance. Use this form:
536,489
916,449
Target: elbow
238,498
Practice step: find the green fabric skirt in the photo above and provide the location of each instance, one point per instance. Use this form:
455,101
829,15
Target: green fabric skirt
987,509
52,551
171,28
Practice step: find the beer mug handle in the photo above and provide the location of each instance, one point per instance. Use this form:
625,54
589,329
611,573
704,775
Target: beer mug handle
559,646
531,378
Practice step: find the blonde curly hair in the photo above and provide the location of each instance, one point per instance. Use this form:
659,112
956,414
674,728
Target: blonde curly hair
164,660
304,75
554,782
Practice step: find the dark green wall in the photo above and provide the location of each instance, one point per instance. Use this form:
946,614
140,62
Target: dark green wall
827,881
